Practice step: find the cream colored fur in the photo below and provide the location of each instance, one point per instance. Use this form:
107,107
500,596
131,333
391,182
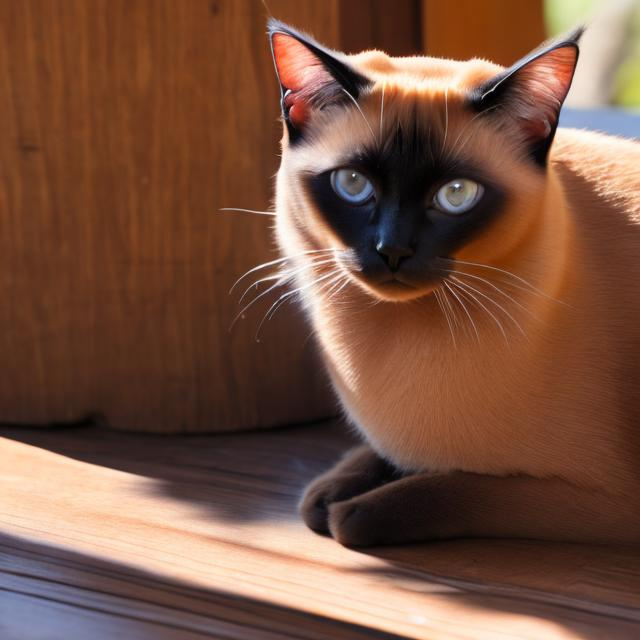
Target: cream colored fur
553,391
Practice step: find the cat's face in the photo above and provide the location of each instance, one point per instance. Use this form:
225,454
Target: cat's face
403,165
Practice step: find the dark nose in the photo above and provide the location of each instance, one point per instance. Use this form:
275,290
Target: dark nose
393,254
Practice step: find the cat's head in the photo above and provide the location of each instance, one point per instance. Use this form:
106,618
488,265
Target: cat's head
401,164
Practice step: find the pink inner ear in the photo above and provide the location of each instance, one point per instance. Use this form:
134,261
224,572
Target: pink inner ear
543,85
301,72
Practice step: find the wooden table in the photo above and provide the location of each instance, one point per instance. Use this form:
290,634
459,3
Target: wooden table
107,535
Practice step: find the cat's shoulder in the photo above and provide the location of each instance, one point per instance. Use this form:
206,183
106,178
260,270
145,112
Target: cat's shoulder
609,164
597,154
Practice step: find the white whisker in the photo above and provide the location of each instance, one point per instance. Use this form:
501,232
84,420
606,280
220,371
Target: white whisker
335,284
373,135
277,261
454,315
446,119
255,284
482,306
327,287
264,293
340,288
446,316
311,284
457,297
315,262
259,213
493,286
271,311
468,124
468,286
529,286
382,112
285,296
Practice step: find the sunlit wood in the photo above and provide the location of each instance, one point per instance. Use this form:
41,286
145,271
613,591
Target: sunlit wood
110,535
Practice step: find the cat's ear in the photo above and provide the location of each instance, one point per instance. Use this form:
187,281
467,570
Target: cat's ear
311,77
532,91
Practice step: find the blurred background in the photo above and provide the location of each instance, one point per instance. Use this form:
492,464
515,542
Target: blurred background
609,71
128,124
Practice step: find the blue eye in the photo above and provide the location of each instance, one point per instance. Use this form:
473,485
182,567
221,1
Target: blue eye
458,196
351,186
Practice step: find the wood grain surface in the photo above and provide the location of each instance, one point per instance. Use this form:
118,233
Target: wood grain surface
110,535
499,30
125,125
395,28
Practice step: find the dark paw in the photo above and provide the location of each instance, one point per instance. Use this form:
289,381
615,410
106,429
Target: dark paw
355,524
323,492
314,510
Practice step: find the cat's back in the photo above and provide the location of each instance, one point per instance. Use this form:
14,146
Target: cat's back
600,176
599,173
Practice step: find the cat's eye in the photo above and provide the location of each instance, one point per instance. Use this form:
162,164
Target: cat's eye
352,186
458,196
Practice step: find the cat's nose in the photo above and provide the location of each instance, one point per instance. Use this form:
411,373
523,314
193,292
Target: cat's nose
393,254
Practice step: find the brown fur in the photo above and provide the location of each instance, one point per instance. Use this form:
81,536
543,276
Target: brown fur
526,432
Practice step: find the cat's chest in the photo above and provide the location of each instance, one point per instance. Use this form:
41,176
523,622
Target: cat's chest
418,398
485,406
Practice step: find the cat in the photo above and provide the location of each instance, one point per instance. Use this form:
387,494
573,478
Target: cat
471,275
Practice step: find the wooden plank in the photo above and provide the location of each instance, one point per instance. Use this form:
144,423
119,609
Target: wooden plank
124,127
120,535
500,30
370,24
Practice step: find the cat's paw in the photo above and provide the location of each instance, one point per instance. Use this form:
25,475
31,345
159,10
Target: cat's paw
358,523
323,492
374,519
410,509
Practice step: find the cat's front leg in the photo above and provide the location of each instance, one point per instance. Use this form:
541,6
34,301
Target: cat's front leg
359,471
429,507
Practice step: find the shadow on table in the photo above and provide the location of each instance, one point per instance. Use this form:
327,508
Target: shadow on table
53,592
250,476
48,592
259,475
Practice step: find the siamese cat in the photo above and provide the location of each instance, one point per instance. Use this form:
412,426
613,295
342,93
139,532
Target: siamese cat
472,277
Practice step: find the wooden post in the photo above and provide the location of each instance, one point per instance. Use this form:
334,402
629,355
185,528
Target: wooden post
125,125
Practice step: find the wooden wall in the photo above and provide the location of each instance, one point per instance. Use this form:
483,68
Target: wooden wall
499,30
125,125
